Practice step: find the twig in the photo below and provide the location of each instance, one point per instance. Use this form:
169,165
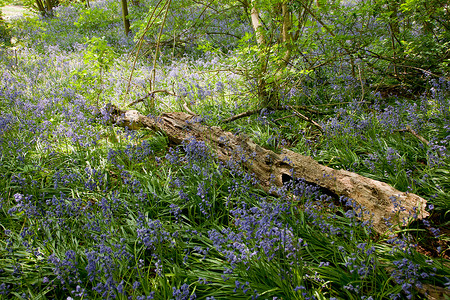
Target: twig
254,111
138,46
241,115
221,70
340,103
224,33
158,42
165,91
188,109
207,5
282,118
151,94
420,69
306,118
304,107
414,133
374,54
139,100
362,85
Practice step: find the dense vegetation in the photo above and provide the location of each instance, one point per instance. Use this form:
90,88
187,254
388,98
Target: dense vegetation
89,210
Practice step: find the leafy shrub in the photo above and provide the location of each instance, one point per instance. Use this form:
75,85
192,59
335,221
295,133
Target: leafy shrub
97,16
98,57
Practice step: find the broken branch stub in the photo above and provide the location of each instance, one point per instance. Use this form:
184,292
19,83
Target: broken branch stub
384,202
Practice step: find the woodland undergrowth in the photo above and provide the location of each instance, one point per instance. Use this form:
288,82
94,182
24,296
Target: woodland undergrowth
93,211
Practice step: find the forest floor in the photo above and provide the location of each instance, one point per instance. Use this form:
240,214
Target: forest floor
13,11
93,210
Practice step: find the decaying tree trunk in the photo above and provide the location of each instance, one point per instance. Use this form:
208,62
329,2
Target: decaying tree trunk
382,200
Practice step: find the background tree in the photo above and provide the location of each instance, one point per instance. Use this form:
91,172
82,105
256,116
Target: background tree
43,7
401,40
277,26
126,21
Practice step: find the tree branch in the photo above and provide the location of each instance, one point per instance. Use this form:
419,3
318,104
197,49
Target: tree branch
254,111
241,115
306,118
414,133
150,94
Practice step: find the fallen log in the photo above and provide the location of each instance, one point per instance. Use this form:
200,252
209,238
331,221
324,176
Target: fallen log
382,200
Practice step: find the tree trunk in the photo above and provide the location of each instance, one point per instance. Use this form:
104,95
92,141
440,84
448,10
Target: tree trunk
394,30
41,7
286,34
126,21
49,8
263,90
382,201
257,25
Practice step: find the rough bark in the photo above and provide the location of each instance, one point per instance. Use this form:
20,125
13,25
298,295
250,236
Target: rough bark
379,198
